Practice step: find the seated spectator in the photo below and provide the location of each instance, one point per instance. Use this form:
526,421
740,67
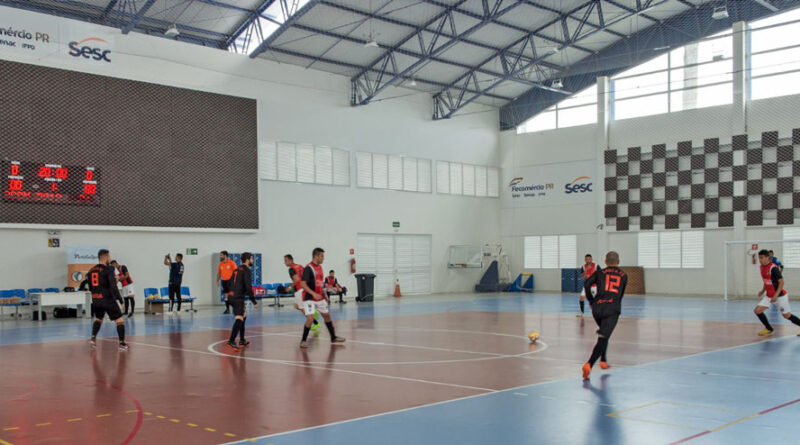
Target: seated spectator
332,285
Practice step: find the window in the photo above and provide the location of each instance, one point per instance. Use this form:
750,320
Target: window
550,252
791,251
697,75
287,161
578,109
671,250
267,23
464,179
393,172
775,56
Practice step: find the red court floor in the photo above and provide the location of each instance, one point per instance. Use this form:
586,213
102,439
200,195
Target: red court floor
186,388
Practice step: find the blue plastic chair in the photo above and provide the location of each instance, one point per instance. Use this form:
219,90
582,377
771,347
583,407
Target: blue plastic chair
52,289
28,299
149,292
186,295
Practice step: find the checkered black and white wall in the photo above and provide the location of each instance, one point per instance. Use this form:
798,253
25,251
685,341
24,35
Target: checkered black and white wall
701,184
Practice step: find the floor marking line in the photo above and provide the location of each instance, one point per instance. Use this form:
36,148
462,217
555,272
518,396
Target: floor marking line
614,414
103,415
656,422
3,442
174,420
130,411
77,419
11,428
43,424
504,390
324,368
710,408
212,430
191,425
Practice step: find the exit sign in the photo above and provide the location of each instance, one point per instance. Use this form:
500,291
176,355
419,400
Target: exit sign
191,251
396,224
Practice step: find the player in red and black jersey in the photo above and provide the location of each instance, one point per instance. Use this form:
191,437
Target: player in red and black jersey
105,298
587,270
775,293
606,306
242,287
296,274
315,298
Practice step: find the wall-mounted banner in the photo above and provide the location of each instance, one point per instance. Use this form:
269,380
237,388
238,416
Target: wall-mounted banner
79,260
41,35
552,184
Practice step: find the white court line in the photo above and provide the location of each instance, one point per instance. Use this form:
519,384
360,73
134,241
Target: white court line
215,353
495,392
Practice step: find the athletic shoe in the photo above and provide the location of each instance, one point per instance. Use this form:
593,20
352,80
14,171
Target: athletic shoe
130,316
579,315
337,340
226,312
315,326
233,346
123,347
303,344
244,343
92,344
765,333
587,369
604,365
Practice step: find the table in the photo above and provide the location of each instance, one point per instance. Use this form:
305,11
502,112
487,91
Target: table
82,299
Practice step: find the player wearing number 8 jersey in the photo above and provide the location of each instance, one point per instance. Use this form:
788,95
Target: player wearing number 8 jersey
314,297
606,307
775,293
105,298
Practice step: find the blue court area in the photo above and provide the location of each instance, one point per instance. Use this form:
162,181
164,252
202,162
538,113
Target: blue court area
676,375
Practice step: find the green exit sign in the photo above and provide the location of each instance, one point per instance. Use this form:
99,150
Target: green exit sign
191,251
396,224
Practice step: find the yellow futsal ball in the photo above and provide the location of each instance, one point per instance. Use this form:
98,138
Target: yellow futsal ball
533,336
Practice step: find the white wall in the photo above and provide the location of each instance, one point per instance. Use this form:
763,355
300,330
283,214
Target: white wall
581,143
297,105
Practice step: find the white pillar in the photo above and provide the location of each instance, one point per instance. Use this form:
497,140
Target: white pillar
740,93
601,145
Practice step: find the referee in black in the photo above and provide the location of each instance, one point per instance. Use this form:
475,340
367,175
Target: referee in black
242,286
606,306
106,299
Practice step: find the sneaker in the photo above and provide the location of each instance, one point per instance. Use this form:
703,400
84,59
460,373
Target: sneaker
130,316
587,369
604,365
244,343
315,327
765,333
303,344
226,312
123,347
92,344
338,340
233,346
579,315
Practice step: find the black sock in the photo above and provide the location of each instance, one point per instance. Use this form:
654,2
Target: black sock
133,305
598,350
241,329
121,332
603,352
764,321
96,328
582,305
329,324
126,305
794,319
306,330
237,325
227,306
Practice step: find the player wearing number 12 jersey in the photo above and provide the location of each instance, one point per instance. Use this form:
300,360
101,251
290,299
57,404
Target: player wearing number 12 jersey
105,298
775,293
606,306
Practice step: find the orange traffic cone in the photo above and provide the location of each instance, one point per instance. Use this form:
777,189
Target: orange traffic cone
397,289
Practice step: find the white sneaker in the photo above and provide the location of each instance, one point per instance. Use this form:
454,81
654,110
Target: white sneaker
579,315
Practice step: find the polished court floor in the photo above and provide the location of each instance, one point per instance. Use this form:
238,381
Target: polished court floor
436,369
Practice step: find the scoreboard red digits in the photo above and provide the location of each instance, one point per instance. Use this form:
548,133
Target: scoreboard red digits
46,183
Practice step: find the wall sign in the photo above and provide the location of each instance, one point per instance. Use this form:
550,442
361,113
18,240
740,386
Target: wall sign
553,184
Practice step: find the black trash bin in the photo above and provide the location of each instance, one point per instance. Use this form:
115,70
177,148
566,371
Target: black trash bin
366,286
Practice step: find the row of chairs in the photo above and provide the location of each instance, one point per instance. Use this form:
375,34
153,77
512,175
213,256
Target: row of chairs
17,298
154,295
271,290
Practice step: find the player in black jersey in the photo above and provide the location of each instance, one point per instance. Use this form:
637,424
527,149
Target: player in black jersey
242,285
606,306
105,298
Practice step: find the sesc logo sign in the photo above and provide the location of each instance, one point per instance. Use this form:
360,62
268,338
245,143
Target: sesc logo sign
91,48
579,185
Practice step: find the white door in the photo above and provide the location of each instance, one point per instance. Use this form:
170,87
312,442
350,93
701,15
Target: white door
396,258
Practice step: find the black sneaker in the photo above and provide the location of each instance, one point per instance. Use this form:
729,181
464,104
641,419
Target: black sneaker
226,312
233,346
244,343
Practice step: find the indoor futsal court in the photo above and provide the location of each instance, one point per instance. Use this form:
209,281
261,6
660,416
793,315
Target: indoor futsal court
293,222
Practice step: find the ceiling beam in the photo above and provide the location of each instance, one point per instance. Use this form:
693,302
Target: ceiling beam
289,20
364,89
254,15
138,16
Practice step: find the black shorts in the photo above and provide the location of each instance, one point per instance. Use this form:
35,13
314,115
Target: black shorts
101,308
238,307
227,286
606,322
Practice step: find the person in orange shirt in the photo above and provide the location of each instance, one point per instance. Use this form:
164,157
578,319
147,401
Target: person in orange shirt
225,272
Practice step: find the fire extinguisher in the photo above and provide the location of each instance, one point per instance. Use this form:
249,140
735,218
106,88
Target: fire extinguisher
352,265
753,256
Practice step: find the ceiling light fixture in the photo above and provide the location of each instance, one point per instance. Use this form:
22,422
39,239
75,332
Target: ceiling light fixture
172,31
413,82
372,44
557,84
720,13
